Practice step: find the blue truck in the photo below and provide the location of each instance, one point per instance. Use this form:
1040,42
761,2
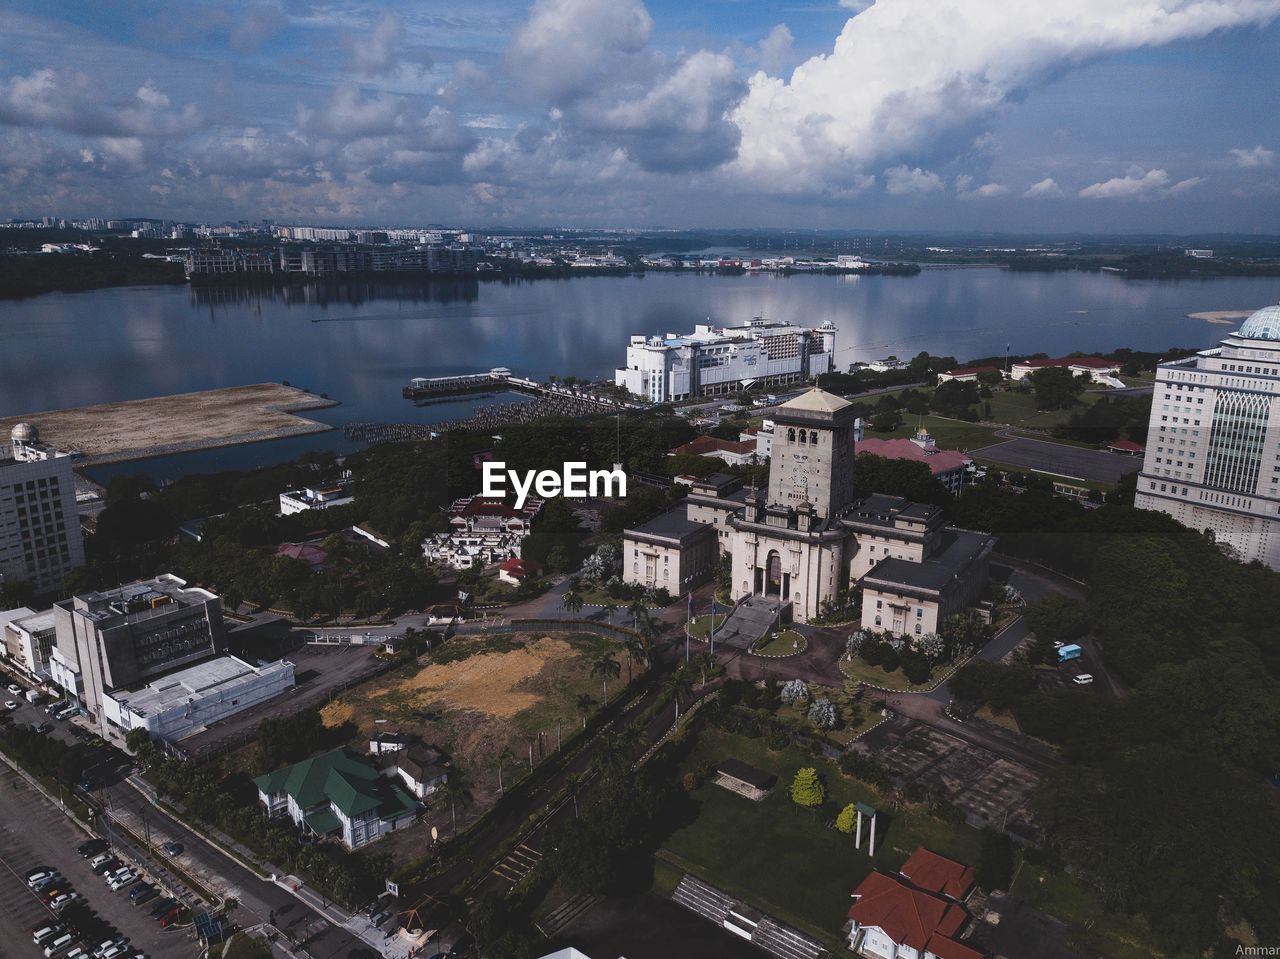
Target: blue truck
1068,652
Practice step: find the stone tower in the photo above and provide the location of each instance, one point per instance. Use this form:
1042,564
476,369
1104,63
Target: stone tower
812,459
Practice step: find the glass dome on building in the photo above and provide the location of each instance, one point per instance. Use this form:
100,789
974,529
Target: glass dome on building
1263,325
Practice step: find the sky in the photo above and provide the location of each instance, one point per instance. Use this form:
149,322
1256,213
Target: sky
987,115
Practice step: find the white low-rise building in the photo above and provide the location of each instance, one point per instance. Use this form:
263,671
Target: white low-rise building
713,360
29,639
179,704
315,497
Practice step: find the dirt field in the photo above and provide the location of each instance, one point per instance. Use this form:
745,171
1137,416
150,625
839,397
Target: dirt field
491,694
112,432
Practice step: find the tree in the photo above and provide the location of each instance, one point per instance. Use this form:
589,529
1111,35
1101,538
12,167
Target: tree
1057,619
573,784
634,649
995,862
504,757
848,819
915,666
456,792
605,666
794,692
807,789
915,481
638,611
1057,387
583,703
823,714
572,601
676,683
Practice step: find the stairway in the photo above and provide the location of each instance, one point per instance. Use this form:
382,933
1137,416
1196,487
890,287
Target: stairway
764,931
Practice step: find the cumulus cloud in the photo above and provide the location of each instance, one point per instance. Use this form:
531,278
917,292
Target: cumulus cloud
903,73
1258,156
1046,188
75,104
1139,184
906,181
378,53
569,49
772,52
605,86
967,191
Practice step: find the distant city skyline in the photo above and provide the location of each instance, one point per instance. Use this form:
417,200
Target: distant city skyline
899,115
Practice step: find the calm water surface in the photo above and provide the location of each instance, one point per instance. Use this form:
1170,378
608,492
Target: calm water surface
360,345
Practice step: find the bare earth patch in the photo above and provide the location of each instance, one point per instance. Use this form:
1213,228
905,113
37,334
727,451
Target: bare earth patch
170,424
489,682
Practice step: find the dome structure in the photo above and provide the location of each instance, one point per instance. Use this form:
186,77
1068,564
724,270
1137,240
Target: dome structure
24,433
1263,325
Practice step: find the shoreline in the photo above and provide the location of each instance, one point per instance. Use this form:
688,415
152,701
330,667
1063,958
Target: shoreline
1221,317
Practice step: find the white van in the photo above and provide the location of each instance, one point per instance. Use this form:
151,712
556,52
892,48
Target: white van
59,945
1084,679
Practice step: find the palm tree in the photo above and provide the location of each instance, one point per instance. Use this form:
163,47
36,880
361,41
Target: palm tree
637,609
634,649
456,792
604,667
609,609
572,601
677,684
503,757
573,785
584,703
706,663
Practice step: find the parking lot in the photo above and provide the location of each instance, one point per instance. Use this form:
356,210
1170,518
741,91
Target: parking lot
34,832
1072,462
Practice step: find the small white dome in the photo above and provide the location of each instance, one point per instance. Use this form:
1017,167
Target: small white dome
24,433
1263,325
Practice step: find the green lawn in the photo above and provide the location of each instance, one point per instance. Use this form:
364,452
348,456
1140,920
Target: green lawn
784,645
1078,904
948,433
701,625
783,859
857,669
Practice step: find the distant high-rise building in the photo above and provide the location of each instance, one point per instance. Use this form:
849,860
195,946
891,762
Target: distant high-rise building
1213,448
40,540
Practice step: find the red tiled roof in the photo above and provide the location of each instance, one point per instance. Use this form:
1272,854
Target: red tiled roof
520,568
971,370
933,873
313,555
710,445
907,915
940,461
946,948
1126,446
1089,362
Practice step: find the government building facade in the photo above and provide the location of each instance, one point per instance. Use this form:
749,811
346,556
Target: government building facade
798,544
1213,452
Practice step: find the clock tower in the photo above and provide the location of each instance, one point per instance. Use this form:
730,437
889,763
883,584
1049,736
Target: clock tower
812,460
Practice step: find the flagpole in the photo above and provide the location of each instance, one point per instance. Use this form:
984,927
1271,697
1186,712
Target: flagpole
688,626
711,635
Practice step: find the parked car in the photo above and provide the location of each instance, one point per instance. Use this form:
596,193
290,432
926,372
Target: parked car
54,706
79,952
37,873
42,728
92,848
14,690
117,943
52,892
161,906
173,848
67,713
45,931
10,705
1084,679
45,881
122,879
115,952
107,865
59,945
60,902
142,893
170,917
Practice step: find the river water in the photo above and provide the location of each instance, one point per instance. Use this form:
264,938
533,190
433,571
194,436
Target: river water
361,343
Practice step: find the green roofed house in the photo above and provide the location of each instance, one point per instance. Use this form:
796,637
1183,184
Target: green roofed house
338,793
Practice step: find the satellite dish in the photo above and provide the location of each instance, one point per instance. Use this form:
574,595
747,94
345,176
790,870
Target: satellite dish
435,834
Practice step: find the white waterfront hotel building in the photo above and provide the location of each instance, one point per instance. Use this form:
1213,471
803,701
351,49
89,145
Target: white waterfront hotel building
1213,450
712,361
